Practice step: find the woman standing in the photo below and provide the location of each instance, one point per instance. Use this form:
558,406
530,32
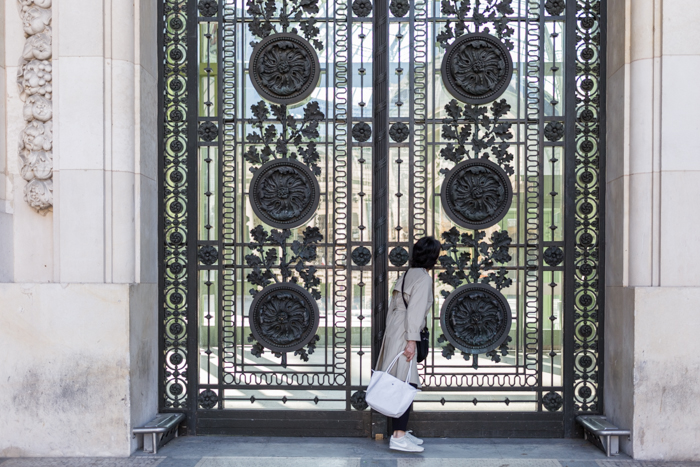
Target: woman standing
403,327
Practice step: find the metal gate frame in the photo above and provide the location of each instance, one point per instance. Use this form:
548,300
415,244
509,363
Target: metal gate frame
584,250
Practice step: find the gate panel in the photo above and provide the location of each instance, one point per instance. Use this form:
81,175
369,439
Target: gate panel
307,144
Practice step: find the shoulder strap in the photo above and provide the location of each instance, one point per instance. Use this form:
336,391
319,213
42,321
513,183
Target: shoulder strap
403,283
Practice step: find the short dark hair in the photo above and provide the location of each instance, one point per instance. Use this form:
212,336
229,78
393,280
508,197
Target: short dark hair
425,253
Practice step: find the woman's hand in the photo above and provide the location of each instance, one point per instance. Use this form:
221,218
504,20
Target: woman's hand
410,350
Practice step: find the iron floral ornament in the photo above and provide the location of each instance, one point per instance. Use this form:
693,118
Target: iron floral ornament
284,193
477,68
476,194
475,317
284,68
284,315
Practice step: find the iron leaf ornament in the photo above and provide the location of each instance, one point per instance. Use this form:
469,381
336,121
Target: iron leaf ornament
474,132
290,137
286,316
468,257
265,13
467,16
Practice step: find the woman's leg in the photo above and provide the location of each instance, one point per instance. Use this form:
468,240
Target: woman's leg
400,424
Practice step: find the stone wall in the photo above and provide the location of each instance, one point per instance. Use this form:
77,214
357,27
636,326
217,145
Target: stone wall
653,280
78,293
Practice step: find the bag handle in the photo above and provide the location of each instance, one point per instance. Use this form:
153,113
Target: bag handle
396,359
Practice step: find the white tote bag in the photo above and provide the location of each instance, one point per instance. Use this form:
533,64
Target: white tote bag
389,395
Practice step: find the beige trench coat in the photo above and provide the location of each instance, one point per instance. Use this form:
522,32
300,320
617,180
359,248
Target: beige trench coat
403,325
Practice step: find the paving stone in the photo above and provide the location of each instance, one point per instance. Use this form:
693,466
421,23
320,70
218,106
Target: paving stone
84,462
277,462
628,463
451,462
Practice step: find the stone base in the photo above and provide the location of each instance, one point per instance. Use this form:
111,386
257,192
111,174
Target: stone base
79,367
652,372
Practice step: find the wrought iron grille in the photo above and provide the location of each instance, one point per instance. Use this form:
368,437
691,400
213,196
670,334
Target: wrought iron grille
305,146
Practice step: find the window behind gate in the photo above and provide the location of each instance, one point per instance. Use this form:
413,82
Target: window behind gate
307,144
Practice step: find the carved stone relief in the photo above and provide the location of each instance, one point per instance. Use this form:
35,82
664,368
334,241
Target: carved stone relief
34,78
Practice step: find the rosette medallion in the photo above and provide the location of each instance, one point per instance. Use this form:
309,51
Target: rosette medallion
476,194
284,68
283,317
477,68
284,193
476,318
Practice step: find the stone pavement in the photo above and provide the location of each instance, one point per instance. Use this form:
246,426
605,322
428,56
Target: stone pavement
222,451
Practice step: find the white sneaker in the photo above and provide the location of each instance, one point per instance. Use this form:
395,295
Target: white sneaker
415,440
404,444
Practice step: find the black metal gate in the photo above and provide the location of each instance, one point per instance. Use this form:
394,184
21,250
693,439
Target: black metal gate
306,144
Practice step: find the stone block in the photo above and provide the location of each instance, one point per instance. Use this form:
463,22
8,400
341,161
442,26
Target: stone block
80,367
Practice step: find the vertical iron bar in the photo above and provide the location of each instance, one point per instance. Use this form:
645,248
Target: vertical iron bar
192,217
380,179
568,327
161,205
602,54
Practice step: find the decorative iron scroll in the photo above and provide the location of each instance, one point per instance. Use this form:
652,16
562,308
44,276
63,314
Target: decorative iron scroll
476,318
589,177
176,240
284,68
477,68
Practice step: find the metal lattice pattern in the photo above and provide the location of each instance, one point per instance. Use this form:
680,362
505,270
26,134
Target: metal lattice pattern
306,145
177,245
590,174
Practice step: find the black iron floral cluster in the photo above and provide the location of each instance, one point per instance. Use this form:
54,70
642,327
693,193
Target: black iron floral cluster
270,251
475,16
257,350
448,351
290,132
473,132
264,12
470,259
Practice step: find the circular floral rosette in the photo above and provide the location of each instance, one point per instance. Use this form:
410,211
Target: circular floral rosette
477,68
284,68
283,317
476,194
476,318
284,193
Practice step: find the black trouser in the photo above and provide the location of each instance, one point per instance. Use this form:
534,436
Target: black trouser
401,423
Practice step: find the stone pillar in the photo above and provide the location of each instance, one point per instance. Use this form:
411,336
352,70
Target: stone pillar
78,321
652,351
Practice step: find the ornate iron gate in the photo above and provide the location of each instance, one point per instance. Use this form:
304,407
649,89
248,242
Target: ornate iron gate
306,144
